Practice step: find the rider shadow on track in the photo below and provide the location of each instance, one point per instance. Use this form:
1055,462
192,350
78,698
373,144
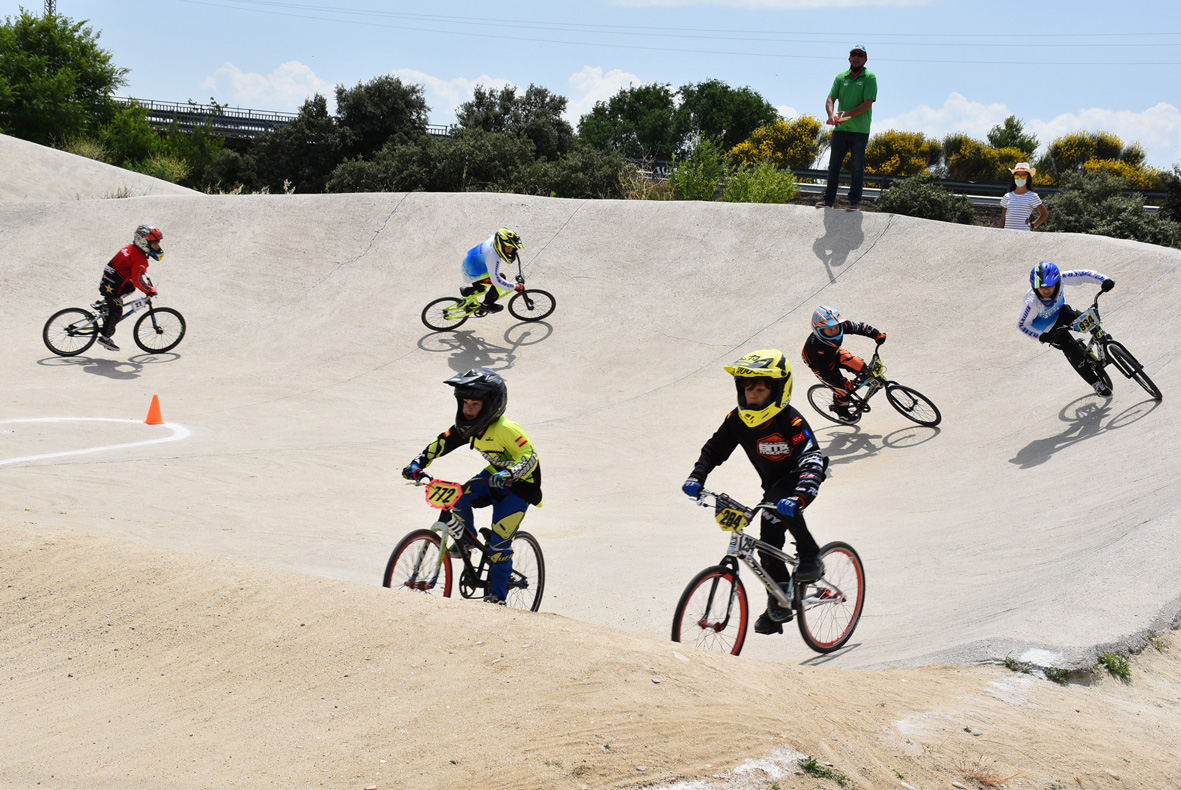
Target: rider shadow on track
468,350
1084,420
117,369
842,235
849,443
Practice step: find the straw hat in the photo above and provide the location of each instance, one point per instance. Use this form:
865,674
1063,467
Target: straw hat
1023,166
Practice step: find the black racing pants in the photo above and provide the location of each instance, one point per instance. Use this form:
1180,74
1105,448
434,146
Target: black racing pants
113,289
491,294
1069,346
774,528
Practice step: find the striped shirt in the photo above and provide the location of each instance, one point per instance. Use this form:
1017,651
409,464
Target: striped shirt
1018,209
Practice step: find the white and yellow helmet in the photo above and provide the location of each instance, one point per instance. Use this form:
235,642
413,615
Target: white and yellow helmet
767,364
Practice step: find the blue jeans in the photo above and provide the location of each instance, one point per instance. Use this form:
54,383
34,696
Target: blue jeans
846,143
507,511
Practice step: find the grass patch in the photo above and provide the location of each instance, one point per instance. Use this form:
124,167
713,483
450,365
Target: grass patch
983,773
1116,664
1014,665
1056,674
809,766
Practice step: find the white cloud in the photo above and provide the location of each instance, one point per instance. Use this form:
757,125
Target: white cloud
284,89
789,113
591,85
445,96
1158,128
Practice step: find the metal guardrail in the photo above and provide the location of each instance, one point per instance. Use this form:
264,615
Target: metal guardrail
227,121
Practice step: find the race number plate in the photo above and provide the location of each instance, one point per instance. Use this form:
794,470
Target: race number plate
442,494
1085,322
878,368
731,519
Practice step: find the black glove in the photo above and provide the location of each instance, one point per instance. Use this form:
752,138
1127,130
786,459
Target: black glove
1050,336
1108,284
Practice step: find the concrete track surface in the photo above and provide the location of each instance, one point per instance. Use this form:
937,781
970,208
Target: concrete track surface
1037,520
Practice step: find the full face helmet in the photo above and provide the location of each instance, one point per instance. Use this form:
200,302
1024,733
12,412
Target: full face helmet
771,367
479,384
1044,274
825,317
144,236
507,238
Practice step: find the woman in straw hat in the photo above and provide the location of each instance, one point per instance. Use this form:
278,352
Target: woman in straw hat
1021,208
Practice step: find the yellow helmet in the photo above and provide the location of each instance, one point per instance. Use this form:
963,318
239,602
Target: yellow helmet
507,238
771,366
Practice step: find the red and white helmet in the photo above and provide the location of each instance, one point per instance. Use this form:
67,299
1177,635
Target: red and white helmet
144,236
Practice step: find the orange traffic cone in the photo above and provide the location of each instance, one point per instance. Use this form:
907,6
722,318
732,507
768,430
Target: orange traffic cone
154,417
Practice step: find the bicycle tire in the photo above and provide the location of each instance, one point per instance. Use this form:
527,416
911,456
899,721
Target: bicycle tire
821,396
435,315
700,618
543,304
164,330
526,583
913,405
414,565
69,332
1131,367
828,610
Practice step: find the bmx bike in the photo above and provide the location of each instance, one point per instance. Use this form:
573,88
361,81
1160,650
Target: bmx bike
909,402
422,560
1103,350
450,312
714,609
69,332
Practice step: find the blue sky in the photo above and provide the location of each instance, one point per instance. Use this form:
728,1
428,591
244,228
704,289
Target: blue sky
942,65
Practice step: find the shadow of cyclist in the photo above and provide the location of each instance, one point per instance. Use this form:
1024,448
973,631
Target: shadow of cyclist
1084,420
468,350
850,443
116,369
842,235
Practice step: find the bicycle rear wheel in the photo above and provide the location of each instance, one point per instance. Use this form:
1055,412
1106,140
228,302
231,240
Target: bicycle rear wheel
713,611
532,305
829,609
822,396
1131,367
526,584
443,314
159,329
69,332
913,405
415,565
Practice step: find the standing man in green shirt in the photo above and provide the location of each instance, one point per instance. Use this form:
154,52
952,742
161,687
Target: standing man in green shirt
855,90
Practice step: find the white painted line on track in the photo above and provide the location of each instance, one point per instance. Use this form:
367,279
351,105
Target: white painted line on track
178,432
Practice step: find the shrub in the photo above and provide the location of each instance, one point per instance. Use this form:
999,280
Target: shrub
699,176
791,144
895,153
920,196
85,146
585,172
764,183
164,166
966,159
1090,202
1171,182
1070,152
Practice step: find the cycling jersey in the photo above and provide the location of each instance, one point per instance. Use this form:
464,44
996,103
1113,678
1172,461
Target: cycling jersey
130,265
1038,317
506,447
821,356
483,261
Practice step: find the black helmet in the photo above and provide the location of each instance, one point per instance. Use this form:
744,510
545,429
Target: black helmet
478,384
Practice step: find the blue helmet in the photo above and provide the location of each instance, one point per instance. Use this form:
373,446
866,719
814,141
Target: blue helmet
826,317
1046,274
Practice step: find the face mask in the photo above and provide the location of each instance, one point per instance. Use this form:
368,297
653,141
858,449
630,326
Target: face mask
1019,182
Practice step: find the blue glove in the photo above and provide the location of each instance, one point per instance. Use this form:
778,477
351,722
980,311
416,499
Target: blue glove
692,487
788,507
412,472
500,479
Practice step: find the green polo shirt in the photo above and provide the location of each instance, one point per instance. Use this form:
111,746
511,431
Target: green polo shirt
849,93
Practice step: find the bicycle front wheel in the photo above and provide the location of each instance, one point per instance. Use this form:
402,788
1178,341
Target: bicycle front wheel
69,332
532,305
159,329
444,313
1131,367
527,581
418,563
913,405
821,396
713,611
828,610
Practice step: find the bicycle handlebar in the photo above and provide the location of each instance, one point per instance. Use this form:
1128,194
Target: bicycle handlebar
703,493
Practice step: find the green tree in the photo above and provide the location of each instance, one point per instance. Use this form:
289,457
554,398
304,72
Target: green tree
895,153
701,173
967,159
1012,134
55,80
636,122
714,109
791,144
535,114
584,172
1070,152
304,152
370,113
1171,206
1092,202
